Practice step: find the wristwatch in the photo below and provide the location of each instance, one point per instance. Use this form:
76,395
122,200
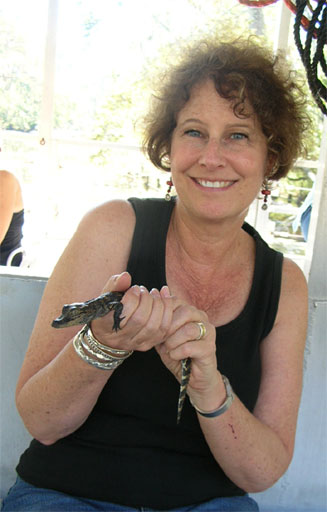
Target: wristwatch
224,407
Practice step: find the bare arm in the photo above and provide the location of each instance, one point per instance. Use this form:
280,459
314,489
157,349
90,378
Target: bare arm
57,390
255,449
10,201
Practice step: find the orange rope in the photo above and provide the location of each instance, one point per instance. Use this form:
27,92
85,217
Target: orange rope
304,20
291,4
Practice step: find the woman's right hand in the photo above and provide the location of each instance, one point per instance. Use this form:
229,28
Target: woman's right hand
146,316
60,407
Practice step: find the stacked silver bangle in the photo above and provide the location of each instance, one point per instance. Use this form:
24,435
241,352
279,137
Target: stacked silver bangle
95,353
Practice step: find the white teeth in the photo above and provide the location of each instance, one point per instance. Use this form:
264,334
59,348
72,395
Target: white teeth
214,184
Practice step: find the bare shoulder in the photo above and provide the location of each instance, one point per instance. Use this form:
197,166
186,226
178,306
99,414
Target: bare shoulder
108,217
8,180
6,176
10,192
99,248
292,272
291,319
294,290
106,232
107,222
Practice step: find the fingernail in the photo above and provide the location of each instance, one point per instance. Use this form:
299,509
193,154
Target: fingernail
136,289
165,291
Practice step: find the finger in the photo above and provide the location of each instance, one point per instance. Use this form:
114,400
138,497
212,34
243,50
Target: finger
148,327
167,317
131,302
197,350
159,321
186,333
118,283
147,317
176,302
152,320
102,327
164,292
185,314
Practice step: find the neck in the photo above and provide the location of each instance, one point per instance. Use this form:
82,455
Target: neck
204,241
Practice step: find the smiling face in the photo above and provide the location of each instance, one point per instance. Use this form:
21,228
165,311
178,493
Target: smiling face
218,160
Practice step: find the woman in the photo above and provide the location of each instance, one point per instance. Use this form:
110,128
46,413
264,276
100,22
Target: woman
199,284
11,220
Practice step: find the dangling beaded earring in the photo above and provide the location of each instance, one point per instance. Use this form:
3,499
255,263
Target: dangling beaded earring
170,184
265,192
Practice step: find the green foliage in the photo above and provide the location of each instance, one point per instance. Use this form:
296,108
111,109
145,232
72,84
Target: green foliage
65,113
21,87
292,192
20,92
116,120
110,120
19,104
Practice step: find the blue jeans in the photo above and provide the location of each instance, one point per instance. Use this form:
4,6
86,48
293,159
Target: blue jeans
24,497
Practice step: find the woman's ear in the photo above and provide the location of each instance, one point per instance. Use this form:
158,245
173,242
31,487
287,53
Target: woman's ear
272,166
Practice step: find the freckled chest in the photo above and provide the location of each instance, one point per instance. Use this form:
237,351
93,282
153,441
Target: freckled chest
221,291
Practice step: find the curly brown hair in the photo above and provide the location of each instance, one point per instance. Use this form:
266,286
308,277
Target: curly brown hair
241,71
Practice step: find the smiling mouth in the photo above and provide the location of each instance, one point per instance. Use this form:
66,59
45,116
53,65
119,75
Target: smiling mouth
214,184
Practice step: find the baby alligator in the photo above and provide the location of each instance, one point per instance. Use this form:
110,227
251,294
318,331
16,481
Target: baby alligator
84,312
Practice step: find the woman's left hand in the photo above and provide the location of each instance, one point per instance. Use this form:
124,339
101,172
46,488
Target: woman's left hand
181,343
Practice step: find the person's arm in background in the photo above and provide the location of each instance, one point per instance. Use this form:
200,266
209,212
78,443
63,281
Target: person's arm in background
10,200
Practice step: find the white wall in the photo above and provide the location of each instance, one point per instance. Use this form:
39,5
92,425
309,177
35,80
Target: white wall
19,301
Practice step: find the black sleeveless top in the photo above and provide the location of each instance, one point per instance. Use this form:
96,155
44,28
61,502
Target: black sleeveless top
130,450
13,237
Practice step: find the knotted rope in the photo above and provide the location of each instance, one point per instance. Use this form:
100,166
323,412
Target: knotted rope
312,52
312,57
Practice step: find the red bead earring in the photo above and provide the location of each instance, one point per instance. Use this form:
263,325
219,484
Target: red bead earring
265,192
170,184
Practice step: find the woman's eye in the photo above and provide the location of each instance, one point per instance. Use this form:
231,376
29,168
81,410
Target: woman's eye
238,136
193,133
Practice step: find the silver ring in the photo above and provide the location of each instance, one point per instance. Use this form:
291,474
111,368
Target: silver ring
203,331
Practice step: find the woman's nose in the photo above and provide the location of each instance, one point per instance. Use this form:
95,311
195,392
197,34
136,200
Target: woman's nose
212,155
